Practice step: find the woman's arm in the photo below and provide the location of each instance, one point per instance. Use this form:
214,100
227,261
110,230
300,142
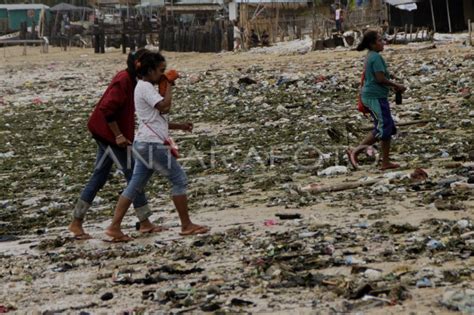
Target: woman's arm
381,79
164,105
120,139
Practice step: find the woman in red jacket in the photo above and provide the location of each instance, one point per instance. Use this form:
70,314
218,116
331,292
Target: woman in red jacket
112,125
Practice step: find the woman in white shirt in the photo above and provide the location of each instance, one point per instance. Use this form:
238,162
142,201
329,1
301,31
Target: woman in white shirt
237,37
151,150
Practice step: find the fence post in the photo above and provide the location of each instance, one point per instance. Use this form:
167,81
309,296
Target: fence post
470,31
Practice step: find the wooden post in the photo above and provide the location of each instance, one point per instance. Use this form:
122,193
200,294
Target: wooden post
406,32
470,31
449,16
432,16
411,32
395,35
277,21
417,30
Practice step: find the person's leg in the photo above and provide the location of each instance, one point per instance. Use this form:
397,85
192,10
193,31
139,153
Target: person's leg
388,130
376,112
368,141
141,175
140,203
103,165
169,167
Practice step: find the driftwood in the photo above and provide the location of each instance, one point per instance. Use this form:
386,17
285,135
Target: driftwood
314,188
406,123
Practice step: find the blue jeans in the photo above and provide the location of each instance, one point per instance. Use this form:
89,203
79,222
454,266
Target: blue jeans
106,156
151,157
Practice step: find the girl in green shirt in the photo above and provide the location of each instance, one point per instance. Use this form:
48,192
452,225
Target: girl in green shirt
375,98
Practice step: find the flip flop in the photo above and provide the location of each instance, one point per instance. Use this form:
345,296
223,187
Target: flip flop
82,237
196,231
122,239
156,229
390,167
352,159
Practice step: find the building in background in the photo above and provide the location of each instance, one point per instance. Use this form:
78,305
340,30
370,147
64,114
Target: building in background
13,15
440,15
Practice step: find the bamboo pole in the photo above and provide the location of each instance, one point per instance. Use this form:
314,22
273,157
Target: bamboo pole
449,16
432,16
470,31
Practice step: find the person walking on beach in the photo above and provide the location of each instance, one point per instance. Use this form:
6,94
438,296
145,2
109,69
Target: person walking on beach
338,17
153,149
237,37
112,125
374,95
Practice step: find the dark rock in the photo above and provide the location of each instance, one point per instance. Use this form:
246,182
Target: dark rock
210,307
107,296
240,302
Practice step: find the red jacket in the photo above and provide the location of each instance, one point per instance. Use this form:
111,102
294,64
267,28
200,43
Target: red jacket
115,105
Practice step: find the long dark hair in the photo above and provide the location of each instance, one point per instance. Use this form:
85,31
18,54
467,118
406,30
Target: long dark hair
370,38
148,62
132,60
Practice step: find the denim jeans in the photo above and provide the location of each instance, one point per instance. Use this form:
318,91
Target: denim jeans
151,157
107,156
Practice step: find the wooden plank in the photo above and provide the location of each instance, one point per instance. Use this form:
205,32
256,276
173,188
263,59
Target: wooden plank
406,123
314,189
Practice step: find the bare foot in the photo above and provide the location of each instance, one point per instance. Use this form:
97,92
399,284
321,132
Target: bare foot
389,166
148,227
117,235
352,158
78,232
193,229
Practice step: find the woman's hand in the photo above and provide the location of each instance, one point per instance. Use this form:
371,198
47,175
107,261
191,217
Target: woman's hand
121,141
187,127
400,88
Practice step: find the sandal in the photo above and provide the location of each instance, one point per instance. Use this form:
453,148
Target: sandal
155,229
195,231
82,237
121,239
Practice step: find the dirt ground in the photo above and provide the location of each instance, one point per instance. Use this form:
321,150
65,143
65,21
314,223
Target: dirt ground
360,251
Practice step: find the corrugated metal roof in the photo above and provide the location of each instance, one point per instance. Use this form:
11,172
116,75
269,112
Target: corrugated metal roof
198,2
11,7
272,1
400,2
193,7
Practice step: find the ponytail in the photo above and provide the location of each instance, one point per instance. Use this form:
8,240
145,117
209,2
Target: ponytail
370,37
132,60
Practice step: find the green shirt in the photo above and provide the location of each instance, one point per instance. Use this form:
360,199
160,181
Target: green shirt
371,88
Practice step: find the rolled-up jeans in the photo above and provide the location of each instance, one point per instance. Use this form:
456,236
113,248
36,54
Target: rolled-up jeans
150,158
108,155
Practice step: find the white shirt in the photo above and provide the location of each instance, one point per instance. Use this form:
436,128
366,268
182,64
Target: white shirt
237,33
152,126
338,14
